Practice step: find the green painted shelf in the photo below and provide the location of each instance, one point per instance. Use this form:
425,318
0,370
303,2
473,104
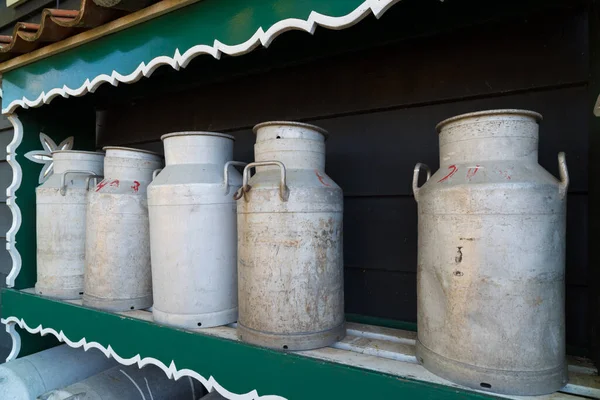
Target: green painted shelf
372,362
218,359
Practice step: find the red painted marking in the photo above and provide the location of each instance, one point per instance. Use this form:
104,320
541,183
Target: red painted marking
321,179
504,174
472,171
136,186
101,185
115,183
453,168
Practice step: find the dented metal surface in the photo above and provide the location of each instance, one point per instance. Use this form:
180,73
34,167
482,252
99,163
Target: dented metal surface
193,231
60,219
117,258
290,261
491,258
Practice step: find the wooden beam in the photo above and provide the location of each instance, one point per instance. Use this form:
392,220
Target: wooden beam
154,11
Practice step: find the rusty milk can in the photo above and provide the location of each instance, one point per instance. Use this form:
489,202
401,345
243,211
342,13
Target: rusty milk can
290,261
491,257
117,257
60,218
193,231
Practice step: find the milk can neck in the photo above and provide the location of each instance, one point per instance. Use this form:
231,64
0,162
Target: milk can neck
296,145
198,148
130,164
295,159
489,138
60,166
73,160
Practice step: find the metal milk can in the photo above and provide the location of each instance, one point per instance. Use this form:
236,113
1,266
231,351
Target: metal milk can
60,219
117,257
290,261
193,231
491,257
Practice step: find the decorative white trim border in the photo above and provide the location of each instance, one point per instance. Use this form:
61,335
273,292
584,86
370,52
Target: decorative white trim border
172,372
377,7
16,341
11,199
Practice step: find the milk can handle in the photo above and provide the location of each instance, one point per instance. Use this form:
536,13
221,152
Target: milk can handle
284,191
63,179
416,173
226,172
563,186
156,172
89,178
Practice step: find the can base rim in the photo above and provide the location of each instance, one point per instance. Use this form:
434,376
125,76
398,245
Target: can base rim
292,342
139,303
517,383
59,293
191,321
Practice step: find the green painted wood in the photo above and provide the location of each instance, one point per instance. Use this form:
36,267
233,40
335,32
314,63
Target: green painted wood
59,123
31,343
387,323
238,367
231,22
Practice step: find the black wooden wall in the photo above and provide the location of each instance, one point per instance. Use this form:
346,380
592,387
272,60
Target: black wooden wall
380,88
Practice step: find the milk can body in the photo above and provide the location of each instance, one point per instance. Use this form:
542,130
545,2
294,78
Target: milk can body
290,261
60,223
193,231
117,259
491,257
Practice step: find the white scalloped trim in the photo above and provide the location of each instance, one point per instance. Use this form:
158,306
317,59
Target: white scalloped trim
16,341
377,7
11,199
172,372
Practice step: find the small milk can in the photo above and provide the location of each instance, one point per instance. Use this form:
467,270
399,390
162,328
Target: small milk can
491,257
193,231
60,219
117,258
290,261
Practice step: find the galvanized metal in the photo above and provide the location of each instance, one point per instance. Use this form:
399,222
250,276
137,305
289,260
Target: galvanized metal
129,383
28,377
60,218
290,261
193,231
491,257
117,259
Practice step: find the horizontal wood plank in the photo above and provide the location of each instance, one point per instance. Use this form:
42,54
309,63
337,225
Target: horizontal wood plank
153,11
375,153
471,63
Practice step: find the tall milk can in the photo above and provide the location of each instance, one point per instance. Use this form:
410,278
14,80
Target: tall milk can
60,223
290,261
117,258
491,257
193,231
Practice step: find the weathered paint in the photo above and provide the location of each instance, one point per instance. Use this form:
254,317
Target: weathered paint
117,258
57,124
290,261
491,258
193,231
236,366
61,204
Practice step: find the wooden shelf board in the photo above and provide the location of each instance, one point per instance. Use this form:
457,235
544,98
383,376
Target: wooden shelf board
386,351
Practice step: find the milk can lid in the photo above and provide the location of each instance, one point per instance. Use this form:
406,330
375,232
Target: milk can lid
197,133
131,149
537,116
292,123
95,153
